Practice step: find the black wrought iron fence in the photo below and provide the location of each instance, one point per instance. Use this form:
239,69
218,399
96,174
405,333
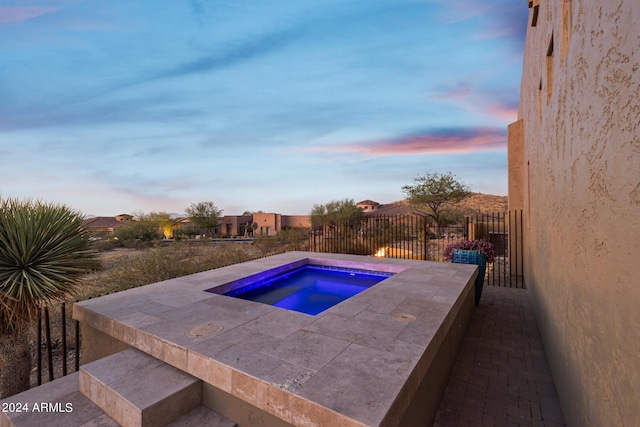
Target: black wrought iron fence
504,230
413,237
400,236
58,338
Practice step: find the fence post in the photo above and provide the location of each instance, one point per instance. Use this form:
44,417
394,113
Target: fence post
503,247
39,349
522,250
63,321
77,345
424,238
47,331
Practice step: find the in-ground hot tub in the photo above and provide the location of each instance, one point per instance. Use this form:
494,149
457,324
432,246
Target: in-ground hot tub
381,357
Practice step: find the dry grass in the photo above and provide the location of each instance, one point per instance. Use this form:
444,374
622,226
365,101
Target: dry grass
129,268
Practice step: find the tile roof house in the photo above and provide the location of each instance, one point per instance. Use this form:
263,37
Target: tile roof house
369,207
107,224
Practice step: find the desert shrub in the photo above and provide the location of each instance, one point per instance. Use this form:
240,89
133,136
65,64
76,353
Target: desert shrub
144,230
143,267
105,245
267,244
294,239
453,217
346,245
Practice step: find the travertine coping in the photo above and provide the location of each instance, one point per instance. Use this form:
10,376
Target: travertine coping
357,363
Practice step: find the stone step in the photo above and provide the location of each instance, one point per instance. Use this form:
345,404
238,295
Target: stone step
138,390
55,404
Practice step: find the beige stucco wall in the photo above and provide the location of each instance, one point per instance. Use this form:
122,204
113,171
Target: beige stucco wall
269,223
580,107
516,165
296,221
234,224
277,222
230,223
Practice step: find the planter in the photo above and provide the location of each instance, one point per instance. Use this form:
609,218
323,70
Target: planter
461,256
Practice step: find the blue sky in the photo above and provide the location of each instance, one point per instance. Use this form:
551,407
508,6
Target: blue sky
119,107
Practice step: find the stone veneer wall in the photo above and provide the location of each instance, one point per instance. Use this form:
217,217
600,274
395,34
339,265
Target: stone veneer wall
578,159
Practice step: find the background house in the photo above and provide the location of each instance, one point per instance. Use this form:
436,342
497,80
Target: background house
370,207
104,225
574,167
270,224
235,225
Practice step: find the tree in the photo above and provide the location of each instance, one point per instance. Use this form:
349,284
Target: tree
146,227
334,212
163,222
434,195
44,252
205,215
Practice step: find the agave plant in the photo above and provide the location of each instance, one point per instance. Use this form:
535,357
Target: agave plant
43,254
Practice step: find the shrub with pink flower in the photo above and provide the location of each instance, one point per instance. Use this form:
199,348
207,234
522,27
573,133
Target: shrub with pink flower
483,246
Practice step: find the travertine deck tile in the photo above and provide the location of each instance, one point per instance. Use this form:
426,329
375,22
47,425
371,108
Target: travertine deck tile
249,338
280,323
307,349
201,312
138,319
379,301
248,360
376,374
180,297
289,377
364,330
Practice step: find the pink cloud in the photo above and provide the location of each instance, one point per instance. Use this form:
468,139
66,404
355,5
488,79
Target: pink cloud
460,91
12,15
477,102
454,142
509,114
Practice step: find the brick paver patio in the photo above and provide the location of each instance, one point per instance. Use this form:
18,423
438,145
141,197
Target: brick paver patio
501,376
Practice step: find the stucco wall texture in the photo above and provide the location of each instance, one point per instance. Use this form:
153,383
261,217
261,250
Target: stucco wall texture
580,163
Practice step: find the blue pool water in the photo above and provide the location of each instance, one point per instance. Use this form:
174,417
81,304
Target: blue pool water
310,289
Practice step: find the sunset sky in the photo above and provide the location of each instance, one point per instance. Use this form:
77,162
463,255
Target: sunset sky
122,107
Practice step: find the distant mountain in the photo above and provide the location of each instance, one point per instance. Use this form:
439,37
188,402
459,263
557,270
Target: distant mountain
476,203
483,203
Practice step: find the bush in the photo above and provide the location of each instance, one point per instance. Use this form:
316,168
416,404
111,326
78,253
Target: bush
143,267
144,230
346,245
483,246
267,244
105,245
293,238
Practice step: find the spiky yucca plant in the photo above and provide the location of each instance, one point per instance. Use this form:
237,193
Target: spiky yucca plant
43,254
